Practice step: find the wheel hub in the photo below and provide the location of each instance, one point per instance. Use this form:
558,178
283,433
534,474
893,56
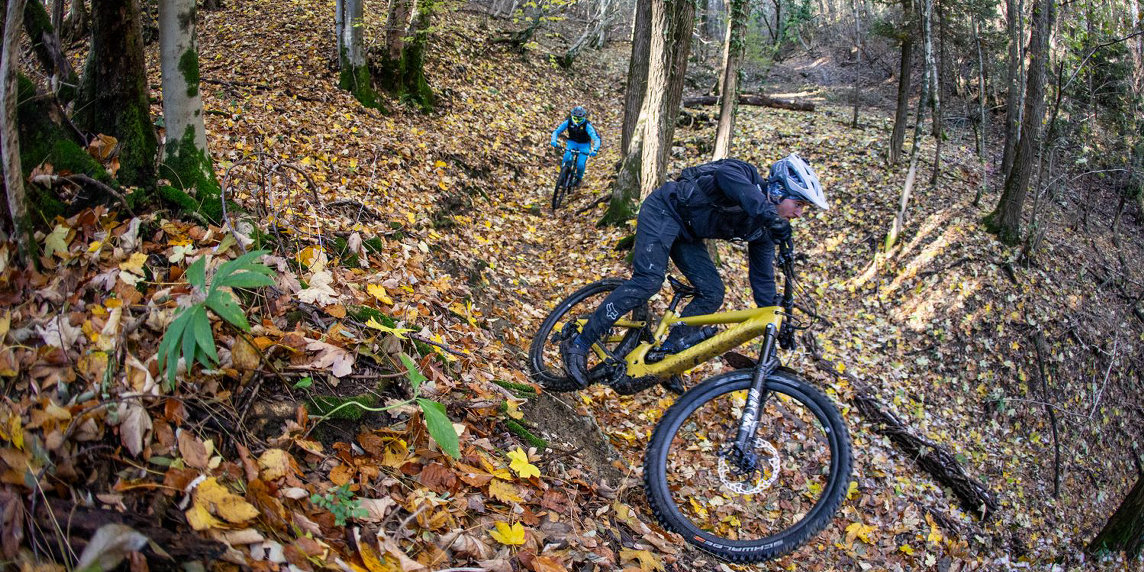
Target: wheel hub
751,473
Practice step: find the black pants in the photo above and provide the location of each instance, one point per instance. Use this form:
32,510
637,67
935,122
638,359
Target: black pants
658,238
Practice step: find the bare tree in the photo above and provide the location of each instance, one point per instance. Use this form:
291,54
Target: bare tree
729,85
637,73
1005,220
46,44
75,25
9,138
933,64
982,125
186,162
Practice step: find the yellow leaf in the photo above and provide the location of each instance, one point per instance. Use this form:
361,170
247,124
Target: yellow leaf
377,291
508,534
134,264
200,519
647,560
520,464
852,490
859,531
503,491
371,559
275,463
514,410
905,548
399,332
220,501
439,164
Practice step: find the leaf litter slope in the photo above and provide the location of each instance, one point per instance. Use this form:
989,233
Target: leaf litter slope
471,259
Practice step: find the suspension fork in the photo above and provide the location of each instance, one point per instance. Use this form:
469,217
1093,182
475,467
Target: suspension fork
756,398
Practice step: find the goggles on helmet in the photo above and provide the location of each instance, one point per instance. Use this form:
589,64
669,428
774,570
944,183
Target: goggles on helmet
578,120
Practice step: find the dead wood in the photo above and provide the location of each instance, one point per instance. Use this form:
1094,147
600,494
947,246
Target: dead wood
752,99
933,457
81,522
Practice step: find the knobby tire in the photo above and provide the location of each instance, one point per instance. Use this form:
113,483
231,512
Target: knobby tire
563,182
545,363
681,474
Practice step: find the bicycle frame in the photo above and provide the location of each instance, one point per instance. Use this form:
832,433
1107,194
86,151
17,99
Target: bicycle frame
749,324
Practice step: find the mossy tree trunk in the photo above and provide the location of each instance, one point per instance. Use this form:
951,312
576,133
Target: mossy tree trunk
355,75
46,44
1005,220
9,140
113,97
402,72
186,162
645,158
1125,528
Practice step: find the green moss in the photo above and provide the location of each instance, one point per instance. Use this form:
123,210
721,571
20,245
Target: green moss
356,80
518,389
189,67
626,243
364,314
521,431
340,245
619,212
340,407
374,245
189,167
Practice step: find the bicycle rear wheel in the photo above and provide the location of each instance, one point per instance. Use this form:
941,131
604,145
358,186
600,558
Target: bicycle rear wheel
562,183
803,472
545,362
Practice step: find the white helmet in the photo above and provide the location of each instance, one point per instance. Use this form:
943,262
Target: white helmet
798,181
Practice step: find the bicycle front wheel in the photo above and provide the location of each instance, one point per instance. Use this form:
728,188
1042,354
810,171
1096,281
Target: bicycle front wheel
568,318
562,184
802,468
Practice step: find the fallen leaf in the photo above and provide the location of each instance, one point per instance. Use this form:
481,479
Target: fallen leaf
507,534
520,464
135,427
503,491
109,546
275,464
339,361
223,503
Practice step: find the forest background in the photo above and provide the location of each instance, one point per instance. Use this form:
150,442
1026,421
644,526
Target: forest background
354,394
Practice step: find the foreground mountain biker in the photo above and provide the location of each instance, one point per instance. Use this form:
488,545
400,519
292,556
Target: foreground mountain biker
726,199
582,137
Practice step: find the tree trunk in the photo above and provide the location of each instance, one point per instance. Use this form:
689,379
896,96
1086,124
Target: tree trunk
355,75
645,160
9,140
402,73
732,60
1005,220
113,94
902,112
57,13
899,223
75,24
637,73
982,119
1013,100
46,44
858,57
1125,528
934,65
186,162
752,99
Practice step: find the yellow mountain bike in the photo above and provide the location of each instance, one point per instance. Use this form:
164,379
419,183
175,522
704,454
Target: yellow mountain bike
747,465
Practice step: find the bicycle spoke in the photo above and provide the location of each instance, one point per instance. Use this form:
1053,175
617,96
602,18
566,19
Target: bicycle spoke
710,486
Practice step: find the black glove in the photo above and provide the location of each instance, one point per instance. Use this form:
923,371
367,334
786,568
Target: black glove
779,230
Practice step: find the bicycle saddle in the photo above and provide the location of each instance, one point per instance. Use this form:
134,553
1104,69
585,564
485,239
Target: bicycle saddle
682,288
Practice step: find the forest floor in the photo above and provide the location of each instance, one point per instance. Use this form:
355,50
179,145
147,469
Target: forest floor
1027,368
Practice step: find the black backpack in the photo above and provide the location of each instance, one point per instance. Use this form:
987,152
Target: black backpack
693,173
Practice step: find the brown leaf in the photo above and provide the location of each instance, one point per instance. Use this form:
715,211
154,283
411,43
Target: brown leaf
243,355
438,477
135,428
193,451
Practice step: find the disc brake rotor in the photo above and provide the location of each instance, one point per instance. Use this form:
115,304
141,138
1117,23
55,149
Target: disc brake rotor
742,484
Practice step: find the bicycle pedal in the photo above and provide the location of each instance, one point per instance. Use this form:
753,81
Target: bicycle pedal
674,384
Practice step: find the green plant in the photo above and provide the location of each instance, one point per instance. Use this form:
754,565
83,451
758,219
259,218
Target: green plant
190,335
341,503
436,420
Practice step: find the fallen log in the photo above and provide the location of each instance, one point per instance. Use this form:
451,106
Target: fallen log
752,99
936,459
